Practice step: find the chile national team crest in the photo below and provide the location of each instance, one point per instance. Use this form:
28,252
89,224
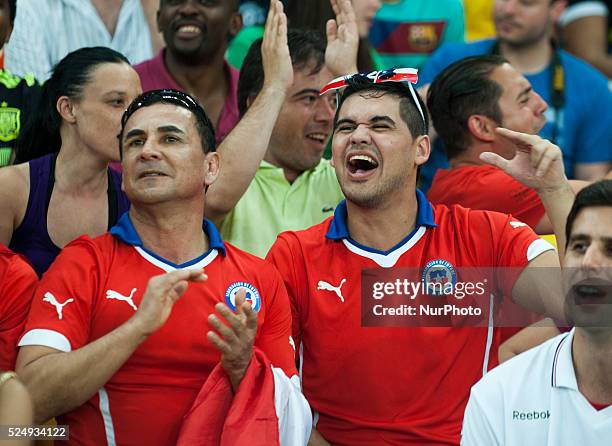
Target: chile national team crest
252,295
439,277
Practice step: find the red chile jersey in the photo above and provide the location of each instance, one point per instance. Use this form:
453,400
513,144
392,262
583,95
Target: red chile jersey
17,284
95,285
488,188
398,385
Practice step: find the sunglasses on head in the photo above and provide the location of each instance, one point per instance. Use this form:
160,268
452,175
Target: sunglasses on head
408,76
166,96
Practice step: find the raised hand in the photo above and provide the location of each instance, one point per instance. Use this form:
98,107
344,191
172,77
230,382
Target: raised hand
235,339
342,39
159,297
276,60
538,163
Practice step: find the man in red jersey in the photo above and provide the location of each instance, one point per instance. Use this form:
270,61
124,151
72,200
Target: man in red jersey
467,102
400,385
115,345
17,284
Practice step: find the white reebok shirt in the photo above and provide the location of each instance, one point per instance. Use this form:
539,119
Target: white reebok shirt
533,399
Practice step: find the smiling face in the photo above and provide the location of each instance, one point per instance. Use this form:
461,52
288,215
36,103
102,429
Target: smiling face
163,159
374,153
198,29
588,268
521,107
304,123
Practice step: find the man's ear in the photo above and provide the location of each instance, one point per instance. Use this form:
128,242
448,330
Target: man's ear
159,28
556,9
423,150
65,107
211,168
235,24
482,128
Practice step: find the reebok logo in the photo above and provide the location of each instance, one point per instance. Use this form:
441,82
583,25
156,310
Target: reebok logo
533,415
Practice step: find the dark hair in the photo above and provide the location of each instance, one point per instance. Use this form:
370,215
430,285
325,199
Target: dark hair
180,99
41,133
305,47
13,11
311,14
596,194
464,89
417,124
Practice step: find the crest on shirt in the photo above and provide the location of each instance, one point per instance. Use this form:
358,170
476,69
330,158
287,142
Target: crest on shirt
438,277
408,37
252,295
9,122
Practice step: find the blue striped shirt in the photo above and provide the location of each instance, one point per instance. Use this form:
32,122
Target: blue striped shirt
46,30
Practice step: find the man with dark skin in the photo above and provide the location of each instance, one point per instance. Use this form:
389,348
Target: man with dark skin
196,36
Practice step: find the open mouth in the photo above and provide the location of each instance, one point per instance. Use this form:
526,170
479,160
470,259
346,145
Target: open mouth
361,164
592,292
188,31
317,137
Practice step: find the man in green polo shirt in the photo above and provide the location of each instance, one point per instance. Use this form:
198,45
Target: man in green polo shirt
272,176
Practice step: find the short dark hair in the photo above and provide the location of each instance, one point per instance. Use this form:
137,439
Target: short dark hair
180,99
305,47
464,89
417,124
13,11
596,194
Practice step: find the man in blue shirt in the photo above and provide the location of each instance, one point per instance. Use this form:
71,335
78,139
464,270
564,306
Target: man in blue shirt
578,118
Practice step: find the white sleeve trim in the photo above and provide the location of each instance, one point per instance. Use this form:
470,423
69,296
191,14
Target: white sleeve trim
292,410
584,9
537,247
47,338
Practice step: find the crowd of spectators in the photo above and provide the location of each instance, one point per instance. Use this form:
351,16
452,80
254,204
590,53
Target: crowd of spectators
197,195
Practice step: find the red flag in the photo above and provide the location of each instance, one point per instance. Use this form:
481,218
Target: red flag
220,417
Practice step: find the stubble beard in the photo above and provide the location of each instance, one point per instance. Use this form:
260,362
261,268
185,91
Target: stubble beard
371,197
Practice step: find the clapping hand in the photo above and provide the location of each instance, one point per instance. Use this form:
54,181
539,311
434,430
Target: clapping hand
278,69
342,39
234,338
